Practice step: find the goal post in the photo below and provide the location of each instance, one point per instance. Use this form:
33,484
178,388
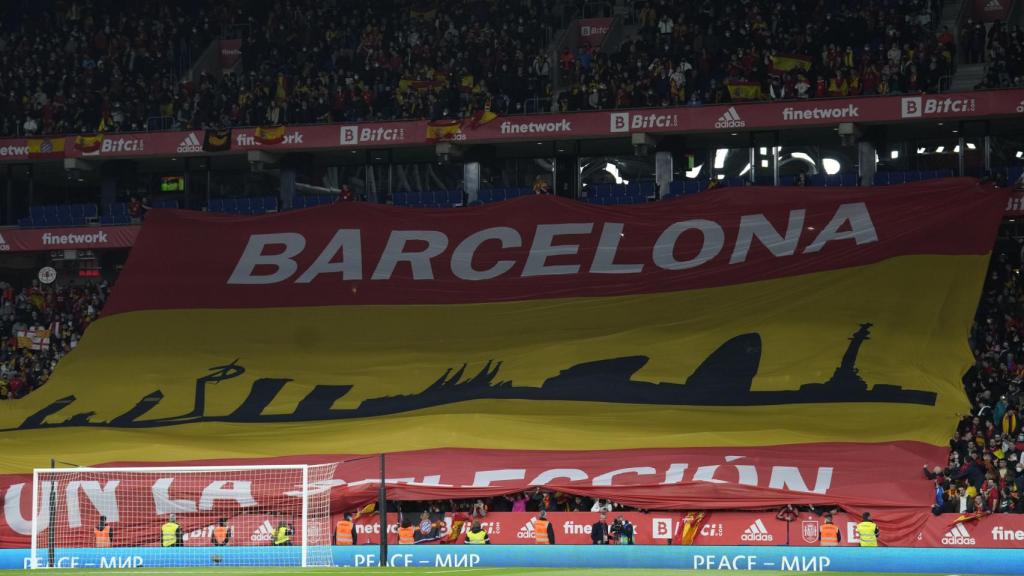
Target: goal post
182,516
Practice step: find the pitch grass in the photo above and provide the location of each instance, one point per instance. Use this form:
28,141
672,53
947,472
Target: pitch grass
426,571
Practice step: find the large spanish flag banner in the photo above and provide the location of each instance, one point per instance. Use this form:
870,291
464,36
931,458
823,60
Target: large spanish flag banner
746,347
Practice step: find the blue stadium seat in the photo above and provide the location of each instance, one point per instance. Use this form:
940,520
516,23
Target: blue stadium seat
243,205
107,219
850,180
648,189
36,212
400,198
216,205
77,210
25,221
787,180
817,179
78,221
117,208
485,195
91,211
270,203
882,178
677,188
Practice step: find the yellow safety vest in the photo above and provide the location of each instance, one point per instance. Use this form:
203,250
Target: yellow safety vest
476,537
280,535
169,534
866,531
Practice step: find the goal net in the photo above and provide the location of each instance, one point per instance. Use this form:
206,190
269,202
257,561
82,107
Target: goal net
275,515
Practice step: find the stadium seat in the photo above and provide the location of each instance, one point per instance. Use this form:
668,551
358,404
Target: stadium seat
850,180
677,188
216,205
817,179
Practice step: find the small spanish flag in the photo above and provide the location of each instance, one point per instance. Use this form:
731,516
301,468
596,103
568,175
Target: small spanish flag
88,142
270,134
784,63
443,130
744,90
689,527
217,140
481,117
46,147
968,517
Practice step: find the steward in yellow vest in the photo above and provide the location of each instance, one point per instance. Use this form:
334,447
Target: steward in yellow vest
868,532
170,533
477,535
283,534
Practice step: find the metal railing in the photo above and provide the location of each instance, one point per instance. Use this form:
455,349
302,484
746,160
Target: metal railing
598,10
158,123
537,105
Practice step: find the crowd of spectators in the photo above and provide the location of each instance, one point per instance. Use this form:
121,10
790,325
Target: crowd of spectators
82,65
710,51
1005,53
73,66
61,313
985,471
94,64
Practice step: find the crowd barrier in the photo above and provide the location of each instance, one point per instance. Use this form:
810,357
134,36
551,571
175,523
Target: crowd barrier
793,559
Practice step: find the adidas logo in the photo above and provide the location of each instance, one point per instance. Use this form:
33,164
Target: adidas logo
263,533
4,246
958,536
190,144
756,532
526,532
731,119
993,5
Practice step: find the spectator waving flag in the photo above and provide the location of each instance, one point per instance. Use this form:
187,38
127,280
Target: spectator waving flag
744,90
33,339
270,134
443,130
88,142
788,63
969,517
217,140
481,117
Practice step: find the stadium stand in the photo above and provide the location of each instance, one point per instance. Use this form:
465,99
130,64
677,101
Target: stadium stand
39,325
310,62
